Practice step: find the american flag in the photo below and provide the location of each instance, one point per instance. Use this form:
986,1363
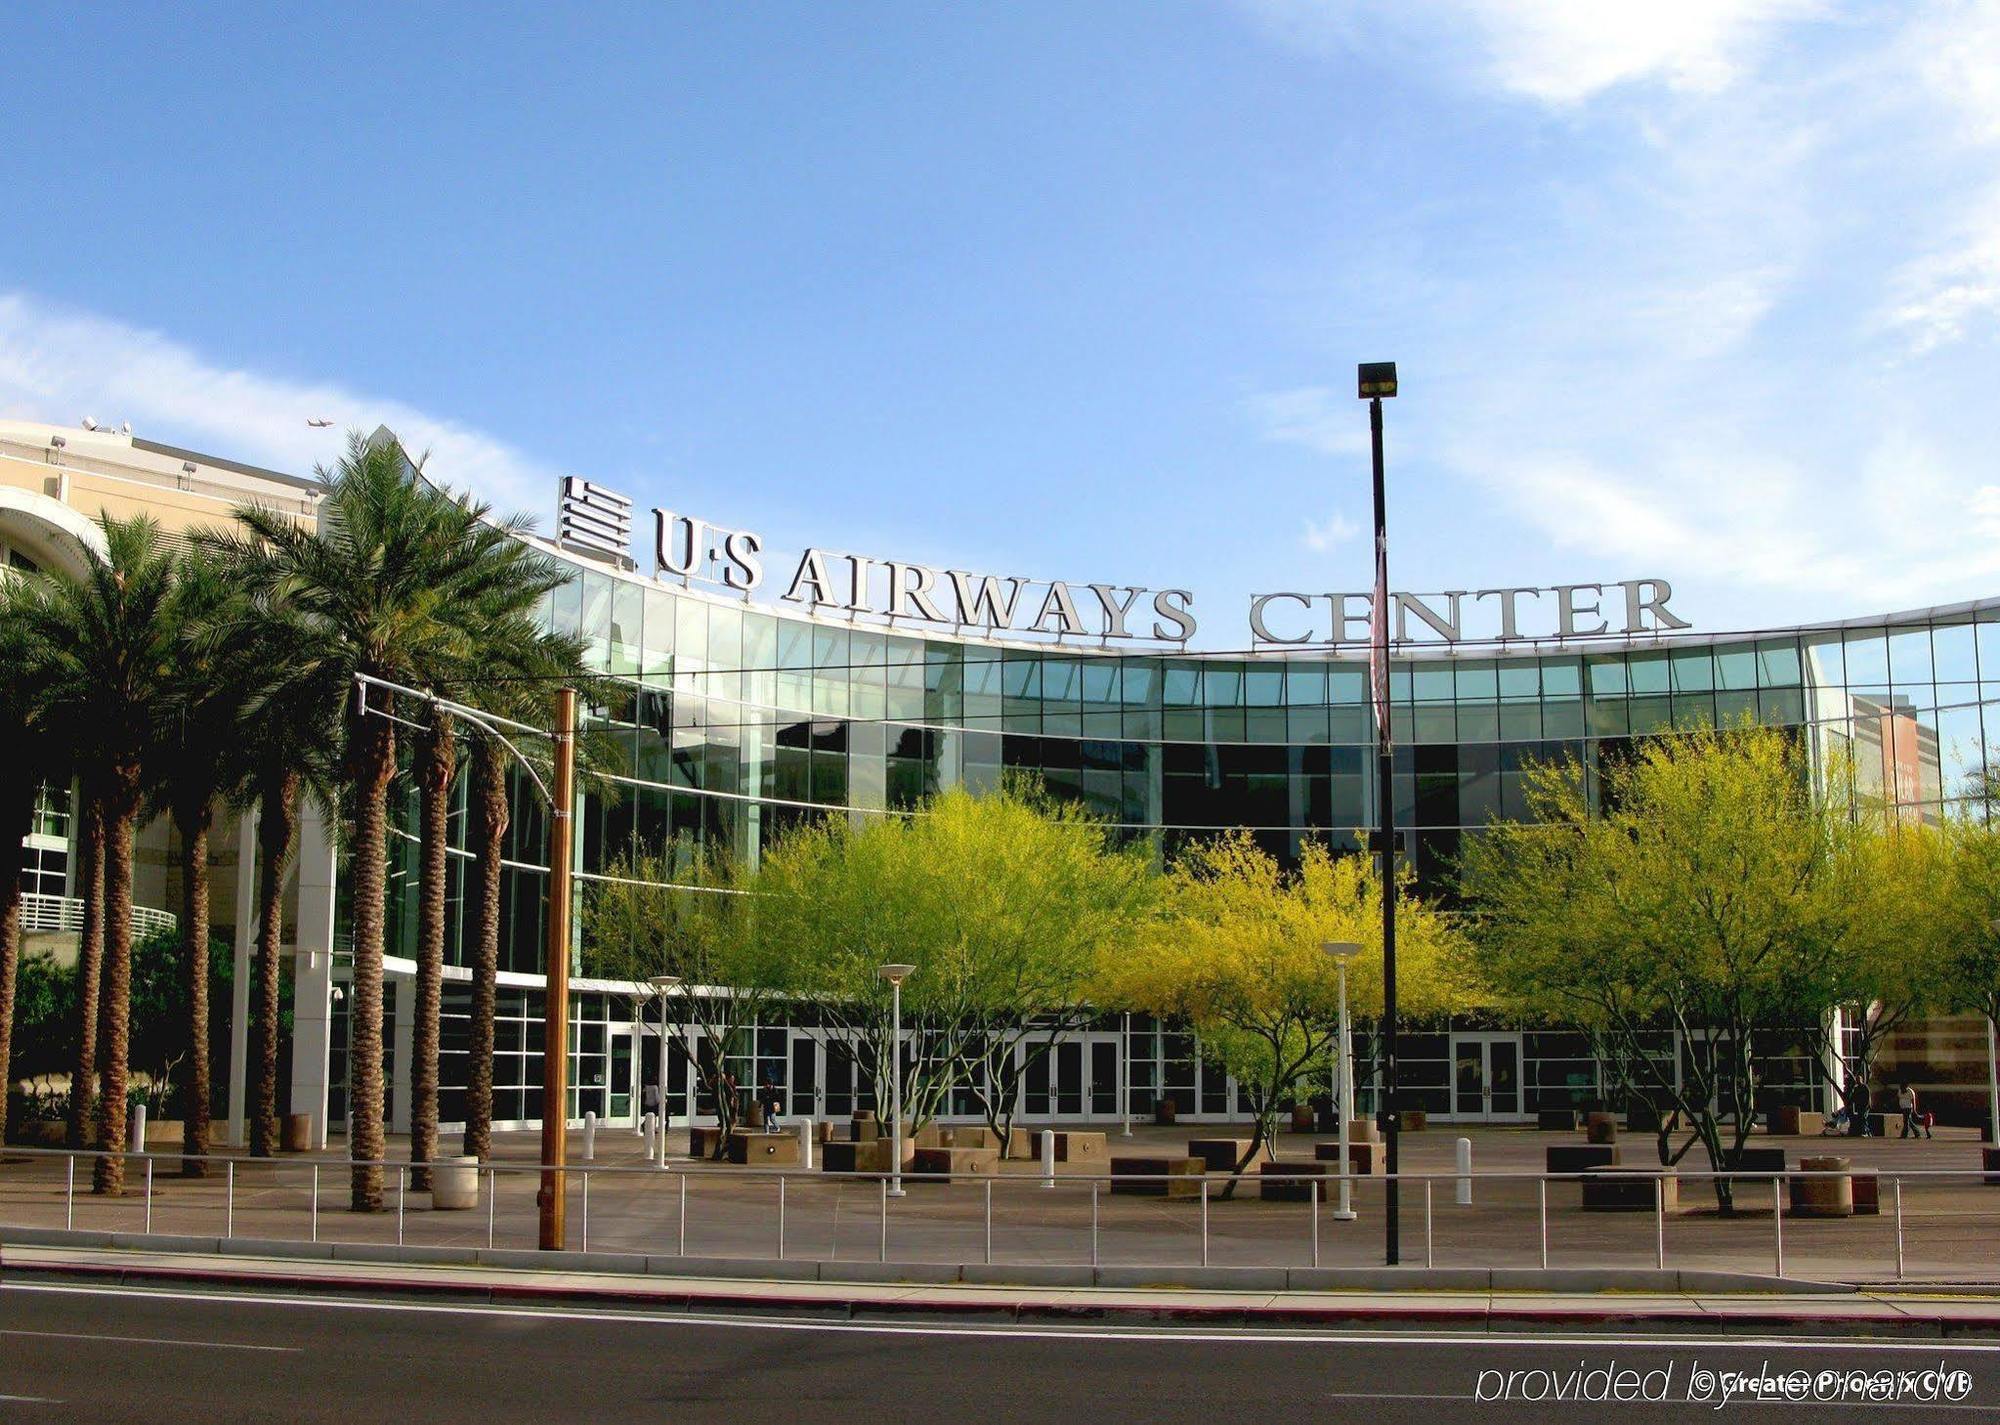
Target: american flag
1378,641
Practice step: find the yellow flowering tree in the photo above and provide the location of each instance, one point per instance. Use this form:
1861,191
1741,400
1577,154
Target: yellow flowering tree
1236,954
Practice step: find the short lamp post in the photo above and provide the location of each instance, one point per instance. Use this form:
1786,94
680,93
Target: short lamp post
895,975
1342,951
661,985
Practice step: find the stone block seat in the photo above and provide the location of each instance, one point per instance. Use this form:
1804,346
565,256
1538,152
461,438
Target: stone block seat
1221,1155
1579,1157
1758,1166
702,1140
1793,1122
1363,1159
1294,1181
1081,1147
764,1150
1156,1175
1867,1192
1556,1120
1989,1162
1621,1189
869,1155
943,1165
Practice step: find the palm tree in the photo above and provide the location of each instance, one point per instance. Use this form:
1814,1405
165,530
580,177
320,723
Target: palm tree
380,589
106,642
285,730
25,731
191,762
526,666
436,766
89,843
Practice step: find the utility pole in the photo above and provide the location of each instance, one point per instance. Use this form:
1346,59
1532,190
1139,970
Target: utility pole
555,1019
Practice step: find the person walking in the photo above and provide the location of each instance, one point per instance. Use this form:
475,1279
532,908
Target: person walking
1913,1124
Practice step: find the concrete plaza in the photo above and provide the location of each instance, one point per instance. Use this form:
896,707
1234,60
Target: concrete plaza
701,1210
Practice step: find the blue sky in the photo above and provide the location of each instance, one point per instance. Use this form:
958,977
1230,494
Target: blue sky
1706,289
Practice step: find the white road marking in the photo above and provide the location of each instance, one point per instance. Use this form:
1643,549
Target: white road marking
31,1399
150,1341
1246,1336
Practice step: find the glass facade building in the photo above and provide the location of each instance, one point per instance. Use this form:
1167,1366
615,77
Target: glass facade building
734,721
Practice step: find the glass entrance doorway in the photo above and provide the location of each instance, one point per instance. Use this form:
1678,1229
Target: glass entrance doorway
1486,1077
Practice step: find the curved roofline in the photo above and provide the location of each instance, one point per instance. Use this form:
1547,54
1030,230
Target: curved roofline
1549,646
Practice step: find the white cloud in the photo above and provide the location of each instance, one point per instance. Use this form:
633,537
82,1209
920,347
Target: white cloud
1560,52
1310,416
58,364
1937,298
1322,535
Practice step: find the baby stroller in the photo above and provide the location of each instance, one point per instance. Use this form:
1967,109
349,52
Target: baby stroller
1842,1125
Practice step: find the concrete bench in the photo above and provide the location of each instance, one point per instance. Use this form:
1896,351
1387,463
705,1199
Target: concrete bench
1556,1120
1758,1165
1293,1182
1579,1157
941,1165
1867,1193
864,1127
1618,1189
968,1136
764,1150
1989,1162
1157,1176
1221,1155
1363,1159
703,1140
1793,1122
1081,1148
870,1155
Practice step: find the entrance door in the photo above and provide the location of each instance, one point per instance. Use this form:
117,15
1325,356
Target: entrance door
1486,1077
623,1085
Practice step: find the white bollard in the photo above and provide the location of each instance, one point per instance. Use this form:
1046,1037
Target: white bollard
806,1142
138,1127
1048,1157
589,1137
650,1125
1465,1172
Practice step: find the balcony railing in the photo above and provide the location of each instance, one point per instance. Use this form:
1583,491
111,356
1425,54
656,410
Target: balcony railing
60,913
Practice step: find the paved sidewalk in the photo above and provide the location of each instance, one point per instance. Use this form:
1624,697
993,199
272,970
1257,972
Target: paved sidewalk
1872,1313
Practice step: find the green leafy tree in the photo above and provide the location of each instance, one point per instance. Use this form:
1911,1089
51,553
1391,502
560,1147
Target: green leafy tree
1237,955
1972,928
106,641
380,587
1707,899
684,913
33,753
1005,904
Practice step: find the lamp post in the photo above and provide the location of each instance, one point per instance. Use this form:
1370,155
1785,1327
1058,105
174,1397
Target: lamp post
895,975
550,1200
661,984
1376,382
1342,951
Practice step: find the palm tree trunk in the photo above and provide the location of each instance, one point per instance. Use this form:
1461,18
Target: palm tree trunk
115,1007
277,804
437,761
89,968
373,743
17,805
488,809
193,824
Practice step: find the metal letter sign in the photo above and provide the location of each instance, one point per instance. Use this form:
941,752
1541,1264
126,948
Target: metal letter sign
594,517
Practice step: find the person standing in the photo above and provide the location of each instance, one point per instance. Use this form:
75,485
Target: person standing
1913,1125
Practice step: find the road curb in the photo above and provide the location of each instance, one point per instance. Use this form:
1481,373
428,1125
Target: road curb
1490,1315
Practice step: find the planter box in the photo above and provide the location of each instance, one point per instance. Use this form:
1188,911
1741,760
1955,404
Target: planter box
1556,1120
38,1133
702,1140
1794,1122
1293,1182
1415,1120
1081,1148
295,1133
939,1165
1164,1111
1758,1165
865,1127
1302,1118
164,1134
979,1136
1629,1190
1867,1193
1600,1128
1363,1159
1580,1157
764,1150
455,1184
1220,1155
1182,1176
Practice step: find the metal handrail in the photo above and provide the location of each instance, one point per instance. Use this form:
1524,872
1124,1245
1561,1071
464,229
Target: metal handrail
44,913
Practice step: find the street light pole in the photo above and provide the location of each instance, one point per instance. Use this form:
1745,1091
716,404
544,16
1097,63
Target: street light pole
895,975
661,985
1377,380
555,1013
1343,951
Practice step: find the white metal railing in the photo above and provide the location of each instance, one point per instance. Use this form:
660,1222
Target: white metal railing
42,912
1301,1226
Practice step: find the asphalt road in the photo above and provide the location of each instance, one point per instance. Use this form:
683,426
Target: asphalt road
111,1354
